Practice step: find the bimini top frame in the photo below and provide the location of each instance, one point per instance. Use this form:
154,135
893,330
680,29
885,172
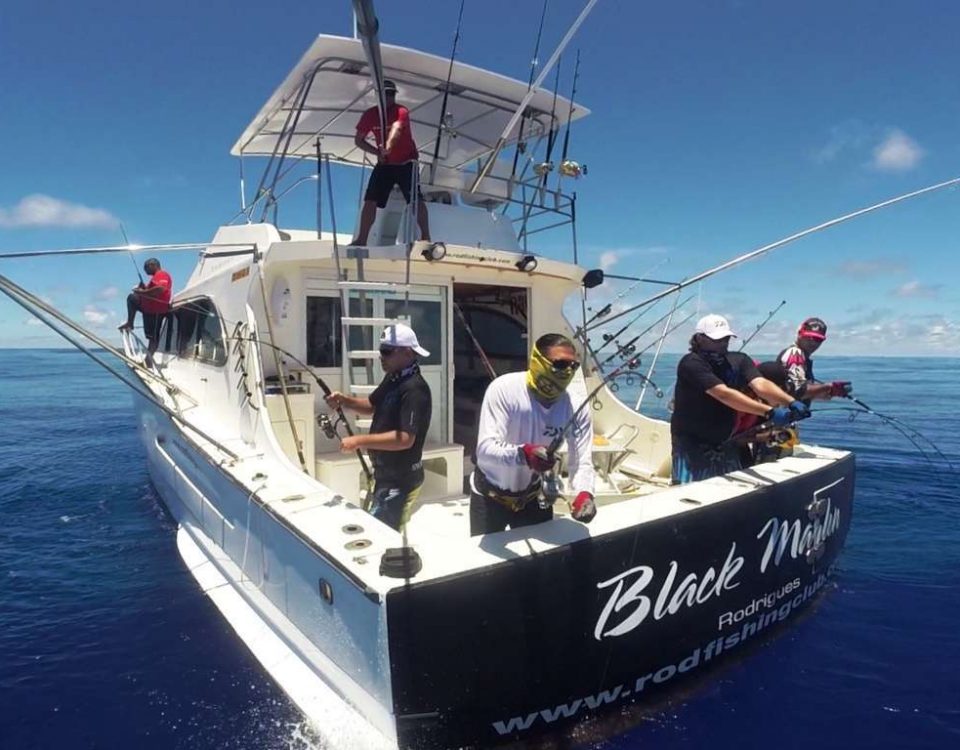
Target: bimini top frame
328,90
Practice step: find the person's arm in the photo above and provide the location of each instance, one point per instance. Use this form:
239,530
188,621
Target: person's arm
818,391
739,401
770,391
580,454
402,122
492,445
359,404
364,126
361,142
395,440
153,288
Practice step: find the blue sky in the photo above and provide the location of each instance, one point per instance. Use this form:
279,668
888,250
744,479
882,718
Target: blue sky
717,127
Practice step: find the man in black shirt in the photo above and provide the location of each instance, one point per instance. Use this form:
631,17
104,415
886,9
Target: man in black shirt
709,393
401,407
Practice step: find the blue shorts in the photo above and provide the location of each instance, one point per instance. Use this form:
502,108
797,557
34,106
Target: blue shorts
392,504
693,460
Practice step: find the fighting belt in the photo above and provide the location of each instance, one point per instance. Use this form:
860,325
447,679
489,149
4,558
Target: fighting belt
514,501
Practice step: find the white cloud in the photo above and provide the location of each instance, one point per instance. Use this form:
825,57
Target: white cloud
107,293
916,289
609,259
39,210
897,152
96,316
32,321
864,269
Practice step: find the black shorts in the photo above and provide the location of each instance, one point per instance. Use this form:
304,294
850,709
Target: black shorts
152,322
384,177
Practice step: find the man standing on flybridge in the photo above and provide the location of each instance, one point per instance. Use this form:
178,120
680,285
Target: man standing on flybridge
396,162
401,407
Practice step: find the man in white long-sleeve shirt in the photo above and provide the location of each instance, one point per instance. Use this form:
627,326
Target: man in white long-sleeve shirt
522,413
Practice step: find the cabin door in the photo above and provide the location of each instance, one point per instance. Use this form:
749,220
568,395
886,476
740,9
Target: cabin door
490,325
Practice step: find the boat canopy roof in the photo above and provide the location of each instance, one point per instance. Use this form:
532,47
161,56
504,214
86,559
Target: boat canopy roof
331,87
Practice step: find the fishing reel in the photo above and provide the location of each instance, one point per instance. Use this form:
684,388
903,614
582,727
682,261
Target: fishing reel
550,489
542,169
328,427
573,169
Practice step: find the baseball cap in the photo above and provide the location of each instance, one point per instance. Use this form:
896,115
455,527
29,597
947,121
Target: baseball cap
402,336
714,327
389,86
813,328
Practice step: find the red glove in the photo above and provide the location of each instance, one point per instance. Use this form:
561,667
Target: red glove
535,456
583,508
840,388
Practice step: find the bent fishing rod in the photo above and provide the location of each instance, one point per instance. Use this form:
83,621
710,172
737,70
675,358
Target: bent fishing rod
908,431
323,421
780,243
761,325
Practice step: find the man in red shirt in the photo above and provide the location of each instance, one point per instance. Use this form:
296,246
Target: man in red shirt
396,162
153,302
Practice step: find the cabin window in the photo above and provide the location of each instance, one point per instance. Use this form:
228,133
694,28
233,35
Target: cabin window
425,320
323,330
194,329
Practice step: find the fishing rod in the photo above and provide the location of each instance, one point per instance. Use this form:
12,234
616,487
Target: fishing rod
766,426
637,282
780,243
656,354
625,347
760,326
446,96
573,93
330,429
126,241
549,480
534,61
522,106
907,430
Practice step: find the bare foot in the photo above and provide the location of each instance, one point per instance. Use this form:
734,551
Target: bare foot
125,327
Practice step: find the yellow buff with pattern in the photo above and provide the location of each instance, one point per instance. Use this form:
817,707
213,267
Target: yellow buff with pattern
548,383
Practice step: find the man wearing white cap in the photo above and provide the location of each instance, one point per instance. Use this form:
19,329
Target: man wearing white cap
709,393
401,407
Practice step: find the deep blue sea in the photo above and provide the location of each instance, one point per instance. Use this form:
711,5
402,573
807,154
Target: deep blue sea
107,642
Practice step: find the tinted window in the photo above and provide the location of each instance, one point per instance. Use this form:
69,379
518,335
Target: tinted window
500,335
194,329
323,330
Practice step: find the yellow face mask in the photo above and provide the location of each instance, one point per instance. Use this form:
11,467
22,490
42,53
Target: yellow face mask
544,380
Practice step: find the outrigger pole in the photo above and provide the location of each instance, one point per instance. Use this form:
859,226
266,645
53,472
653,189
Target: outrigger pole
502,140
780,243
760,325
368,27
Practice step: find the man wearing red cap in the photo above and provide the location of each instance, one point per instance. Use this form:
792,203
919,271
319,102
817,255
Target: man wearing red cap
793,368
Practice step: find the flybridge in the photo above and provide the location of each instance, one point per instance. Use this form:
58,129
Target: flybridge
328,90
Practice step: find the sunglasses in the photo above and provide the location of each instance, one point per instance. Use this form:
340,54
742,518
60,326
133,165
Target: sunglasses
564,364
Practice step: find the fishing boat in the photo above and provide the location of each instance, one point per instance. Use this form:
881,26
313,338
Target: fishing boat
433,638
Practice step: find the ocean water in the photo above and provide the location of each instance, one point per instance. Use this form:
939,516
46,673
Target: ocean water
107,642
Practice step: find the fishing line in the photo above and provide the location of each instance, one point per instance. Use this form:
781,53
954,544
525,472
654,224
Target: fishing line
908,431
